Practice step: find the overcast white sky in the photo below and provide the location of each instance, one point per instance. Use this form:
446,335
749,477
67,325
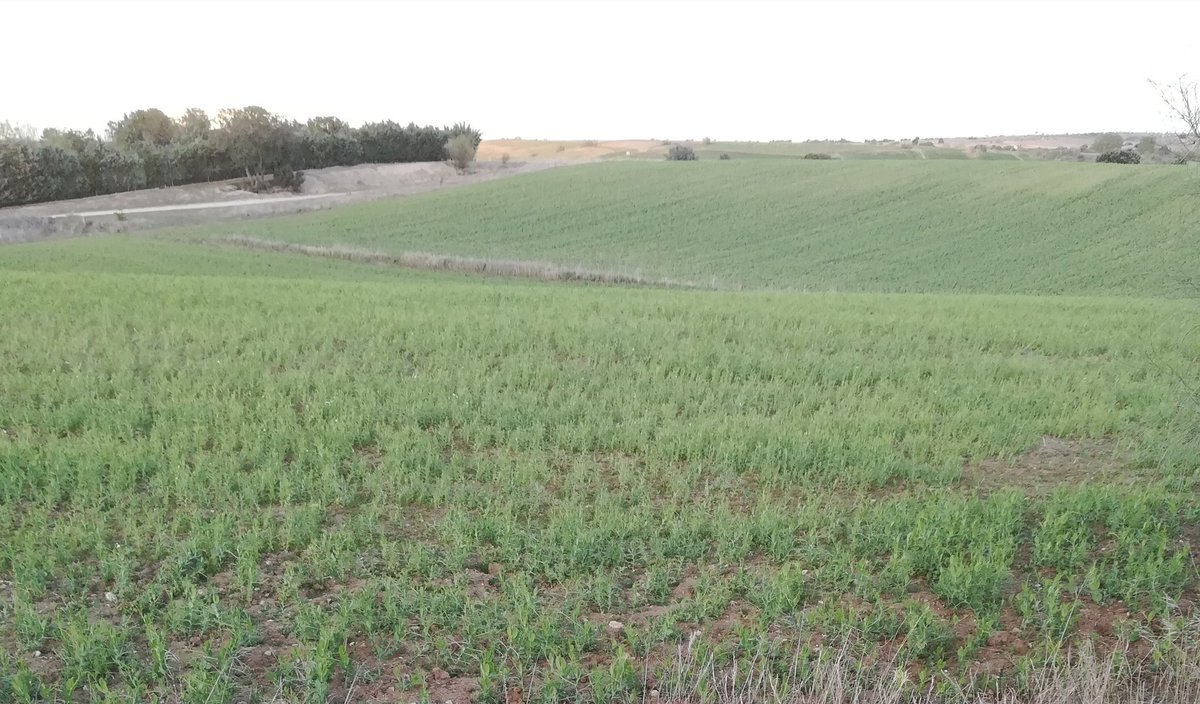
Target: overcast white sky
619,69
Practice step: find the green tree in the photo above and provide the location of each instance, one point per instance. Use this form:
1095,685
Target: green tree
151,126
257,141
194,125
327,125
68,140
1147,144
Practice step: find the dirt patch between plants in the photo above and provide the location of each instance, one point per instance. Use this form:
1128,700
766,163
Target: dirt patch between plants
1051,463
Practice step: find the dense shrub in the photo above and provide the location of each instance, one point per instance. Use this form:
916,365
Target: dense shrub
387,142
160,166
68,164
475,135
817,155
59,174
1119,156
16,167
200,160
461,151
33,173
111,171
318,150
146,149
681,152
724,157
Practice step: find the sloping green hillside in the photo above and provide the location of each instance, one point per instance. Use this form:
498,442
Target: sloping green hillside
932,226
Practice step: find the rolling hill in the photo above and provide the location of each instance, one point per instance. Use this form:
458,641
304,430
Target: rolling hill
905,226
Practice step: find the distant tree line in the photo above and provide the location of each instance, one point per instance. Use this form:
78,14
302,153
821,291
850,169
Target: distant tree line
149,149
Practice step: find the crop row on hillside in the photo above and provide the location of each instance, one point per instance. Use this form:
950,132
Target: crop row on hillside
929,226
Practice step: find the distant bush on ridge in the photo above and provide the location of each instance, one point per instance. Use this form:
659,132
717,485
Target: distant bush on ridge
681,152
1119,156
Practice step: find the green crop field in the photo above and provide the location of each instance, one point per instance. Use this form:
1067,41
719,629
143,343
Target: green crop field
797,150
245,476
952,227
